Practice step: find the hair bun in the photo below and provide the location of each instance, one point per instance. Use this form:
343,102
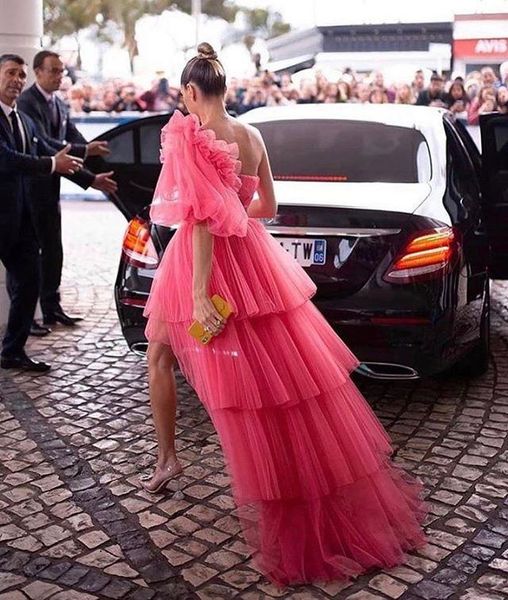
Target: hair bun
205,50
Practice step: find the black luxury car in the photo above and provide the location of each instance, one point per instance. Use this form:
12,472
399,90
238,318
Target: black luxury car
390,209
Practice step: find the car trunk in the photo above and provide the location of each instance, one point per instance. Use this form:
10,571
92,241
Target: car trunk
342,233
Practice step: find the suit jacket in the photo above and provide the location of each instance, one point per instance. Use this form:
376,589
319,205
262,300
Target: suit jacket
34,104
16,177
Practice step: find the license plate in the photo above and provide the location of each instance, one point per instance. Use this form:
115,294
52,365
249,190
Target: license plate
306,251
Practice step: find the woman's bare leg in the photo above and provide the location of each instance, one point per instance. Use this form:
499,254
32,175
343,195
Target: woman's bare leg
161,363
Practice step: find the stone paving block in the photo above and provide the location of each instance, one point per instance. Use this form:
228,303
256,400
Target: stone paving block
149,519
40,590
421,564
450,577
212,535
464,563
175,557
478,594
73,595
223,559
98,559
192,546
10,532
490,539
198,574
117,589
121,569
93,539
387,585
364,595
215,591
433,552
9,580
182,526
499,564
67,549
431,590
162,538
494,581
406,574
51,535
480,552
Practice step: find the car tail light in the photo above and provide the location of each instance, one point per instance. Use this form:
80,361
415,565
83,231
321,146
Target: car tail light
428,253
138,247
136,302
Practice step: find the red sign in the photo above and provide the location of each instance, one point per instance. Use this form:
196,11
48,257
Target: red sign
496,48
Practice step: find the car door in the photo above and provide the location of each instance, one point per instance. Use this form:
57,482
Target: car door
494,181
134,158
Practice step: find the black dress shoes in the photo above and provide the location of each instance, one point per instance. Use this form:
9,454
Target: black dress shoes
58,316
39,330
23,363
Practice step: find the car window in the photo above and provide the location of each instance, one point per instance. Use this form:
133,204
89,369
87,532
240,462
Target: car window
470,146
341,150
501,138
463,173
121,148
150,143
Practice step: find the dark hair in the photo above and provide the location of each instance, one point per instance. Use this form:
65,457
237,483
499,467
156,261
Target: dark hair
458,84
206,71
11,57
41,56
163,86
436,77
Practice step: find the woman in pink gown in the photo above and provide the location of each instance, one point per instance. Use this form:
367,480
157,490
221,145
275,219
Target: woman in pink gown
317,494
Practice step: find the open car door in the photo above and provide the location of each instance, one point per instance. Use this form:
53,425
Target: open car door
135,159
494,135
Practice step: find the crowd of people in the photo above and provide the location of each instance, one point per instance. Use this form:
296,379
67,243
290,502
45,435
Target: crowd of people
481,91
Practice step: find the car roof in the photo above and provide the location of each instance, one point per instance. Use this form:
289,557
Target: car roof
402,115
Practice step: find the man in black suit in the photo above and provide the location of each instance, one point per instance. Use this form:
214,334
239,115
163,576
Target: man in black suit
23,155
51,117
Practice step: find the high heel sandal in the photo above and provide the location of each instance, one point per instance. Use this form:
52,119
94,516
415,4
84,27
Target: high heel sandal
169,474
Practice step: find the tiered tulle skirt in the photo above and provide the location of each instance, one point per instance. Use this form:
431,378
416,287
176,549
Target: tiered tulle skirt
317,494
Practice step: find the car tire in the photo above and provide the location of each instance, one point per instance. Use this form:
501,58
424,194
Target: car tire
476,362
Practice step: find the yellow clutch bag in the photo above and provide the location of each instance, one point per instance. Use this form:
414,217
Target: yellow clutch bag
197,330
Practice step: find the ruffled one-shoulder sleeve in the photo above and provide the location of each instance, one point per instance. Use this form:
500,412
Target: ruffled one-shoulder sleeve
199,179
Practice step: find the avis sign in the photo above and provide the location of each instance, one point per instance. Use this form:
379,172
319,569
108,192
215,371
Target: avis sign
494,48
491,46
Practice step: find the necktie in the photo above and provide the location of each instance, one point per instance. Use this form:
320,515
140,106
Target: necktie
18,140
54,111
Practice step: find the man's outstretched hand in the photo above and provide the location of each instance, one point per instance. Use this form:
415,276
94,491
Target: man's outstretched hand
105,183
97,149
65,163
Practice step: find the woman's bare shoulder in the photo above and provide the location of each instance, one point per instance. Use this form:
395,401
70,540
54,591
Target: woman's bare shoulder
249,133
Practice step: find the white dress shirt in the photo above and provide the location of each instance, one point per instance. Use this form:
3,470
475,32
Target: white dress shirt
7,111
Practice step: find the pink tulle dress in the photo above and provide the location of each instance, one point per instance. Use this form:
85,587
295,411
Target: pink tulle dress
317,495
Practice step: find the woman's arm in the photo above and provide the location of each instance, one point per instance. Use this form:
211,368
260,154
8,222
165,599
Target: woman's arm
266,205
202,251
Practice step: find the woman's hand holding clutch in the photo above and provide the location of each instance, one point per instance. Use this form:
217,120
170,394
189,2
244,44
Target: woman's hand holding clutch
210,315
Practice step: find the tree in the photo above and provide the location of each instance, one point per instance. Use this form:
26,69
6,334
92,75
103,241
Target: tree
263,21
222,9
126,13
69,18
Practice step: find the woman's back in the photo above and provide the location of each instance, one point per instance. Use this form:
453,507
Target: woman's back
246,137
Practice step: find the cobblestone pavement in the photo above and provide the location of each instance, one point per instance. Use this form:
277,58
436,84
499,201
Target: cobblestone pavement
74,523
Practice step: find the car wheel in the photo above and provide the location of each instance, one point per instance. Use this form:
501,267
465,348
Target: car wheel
476,362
